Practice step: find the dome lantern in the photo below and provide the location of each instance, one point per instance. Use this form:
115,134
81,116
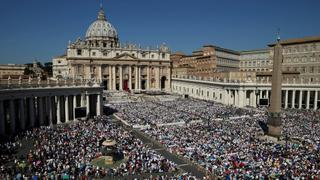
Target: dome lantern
102,33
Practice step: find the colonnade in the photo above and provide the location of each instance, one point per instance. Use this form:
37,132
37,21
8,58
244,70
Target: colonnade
249,94
19,111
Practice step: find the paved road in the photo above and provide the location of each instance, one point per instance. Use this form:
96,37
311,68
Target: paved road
184,165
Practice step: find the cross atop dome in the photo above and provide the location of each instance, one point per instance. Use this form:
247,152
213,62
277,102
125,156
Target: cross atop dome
101,15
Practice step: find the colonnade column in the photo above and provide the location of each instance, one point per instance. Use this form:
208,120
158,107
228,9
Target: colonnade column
300,99
226,97
58,110
293,98
120,78
315,100
110,78
114,78
254,98
82,99
130,77
98,105
136,78
267,94
2,119
139,77
236,97
49,100
231,98
22,114
74,106
88,104
40,111
286,99
66,108
12,116
308,100
148,77
169,78
31,111
242,98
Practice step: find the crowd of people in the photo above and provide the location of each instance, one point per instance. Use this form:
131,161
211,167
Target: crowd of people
231,148
224,146
67,152
179,110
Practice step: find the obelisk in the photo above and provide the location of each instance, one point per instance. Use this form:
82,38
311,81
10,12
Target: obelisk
274,121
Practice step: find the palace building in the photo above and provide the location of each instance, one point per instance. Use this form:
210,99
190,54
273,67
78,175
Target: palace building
244,78
100,57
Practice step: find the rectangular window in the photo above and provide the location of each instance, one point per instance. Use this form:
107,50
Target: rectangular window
79,52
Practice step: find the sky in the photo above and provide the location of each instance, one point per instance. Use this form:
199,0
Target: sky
41,29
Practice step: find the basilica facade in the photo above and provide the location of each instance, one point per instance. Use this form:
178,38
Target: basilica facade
101,58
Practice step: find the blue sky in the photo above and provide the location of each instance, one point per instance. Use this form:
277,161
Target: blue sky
41,29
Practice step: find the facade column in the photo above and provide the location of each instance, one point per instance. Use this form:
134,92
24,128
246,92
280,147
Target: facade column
58,110
308,100
110,78
148,77
315,100
157,74
286,99
88,104
99,74
139,77
120,78
12,117
31,112
2,120
136,78
98,105
169,78
300,99
267,94
88,71
22,114
40,110
74,106
293,98
159,78
66,108
114,78
130,77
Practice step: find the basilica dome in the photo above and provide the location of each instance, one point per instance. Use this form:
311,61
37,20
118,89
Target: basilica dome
101,28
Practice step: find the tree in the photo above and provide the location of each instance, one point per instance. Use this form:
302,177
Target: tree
27,71
48,68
